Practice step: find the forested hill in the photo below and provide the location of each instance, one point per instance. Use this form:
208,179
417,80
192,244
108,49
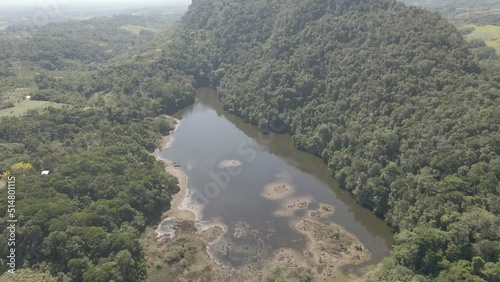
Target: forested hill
83,221
390,96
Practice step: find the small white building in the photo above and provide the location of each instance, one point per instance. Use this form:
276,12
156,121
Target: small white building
27,97
45,172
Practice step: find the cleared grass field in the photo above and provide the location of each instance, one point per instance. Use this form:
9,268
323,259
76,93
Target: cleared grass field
21,105
489,33
26,105
135,29
15,94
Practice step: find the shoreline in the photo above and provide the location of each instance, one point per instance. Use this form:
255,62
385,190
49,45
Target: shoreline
192,239
178,209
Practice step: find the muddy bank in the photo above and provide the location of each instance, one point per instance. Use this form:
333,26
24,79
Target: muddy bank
181,207
329,246
182,258
185,258
229,164
178,248
277,190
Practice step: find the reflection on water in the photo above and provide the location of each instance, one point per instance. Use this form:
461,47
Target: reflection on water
208,137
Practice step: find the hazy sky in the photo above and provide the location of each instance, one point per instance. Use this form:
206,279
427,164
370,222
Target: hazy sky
92,2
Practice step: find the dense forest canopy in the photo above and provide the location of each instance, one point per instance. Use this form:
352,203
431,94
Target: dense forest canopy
391,97
403,110
82,222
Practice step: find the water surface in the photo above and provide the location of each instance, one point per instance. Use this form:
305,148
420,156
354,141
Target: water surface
207,135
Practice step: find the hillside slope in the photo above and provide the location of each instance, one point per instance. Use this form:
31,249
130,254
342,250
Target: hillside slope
83,221
389,96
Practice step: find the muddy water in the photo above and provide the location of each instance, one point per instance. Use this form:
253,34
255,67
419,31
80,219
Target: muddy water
228,163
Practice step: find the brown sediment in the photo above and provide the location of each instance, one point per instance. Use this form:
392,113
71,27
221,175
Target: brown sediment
179,210
185,257
324,255
290,205
170,257
330,247
323,211
165,141
229,164
277,191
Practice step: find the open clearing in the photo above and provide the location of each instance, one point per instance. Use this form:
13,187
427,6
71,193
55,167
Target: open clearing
489,33
22,105
135,29
26,105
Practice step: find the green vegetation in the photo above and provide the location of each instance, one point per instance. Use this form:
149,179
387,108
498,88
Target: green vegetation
393,99
490,34
334,234
478,19
390,97
83,221
175,255
134,29
28,275
279,274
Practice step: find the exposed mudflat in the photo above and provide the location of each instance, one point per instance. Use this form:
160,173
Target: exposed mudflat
277,191
183,257
328,247
179,247
290,206
229,164
185,248
325,210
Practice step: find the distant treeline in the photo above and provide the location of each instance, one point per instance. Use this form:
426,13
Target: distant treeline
463,11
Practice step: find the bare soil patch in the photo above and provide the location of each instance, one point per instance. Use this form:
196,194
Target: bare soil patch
229,164
324,210
185,257
277,191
